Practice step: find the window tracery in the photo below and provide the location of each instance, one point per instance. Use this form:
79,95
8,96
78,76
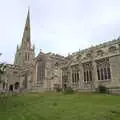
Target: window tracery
87,67
103,69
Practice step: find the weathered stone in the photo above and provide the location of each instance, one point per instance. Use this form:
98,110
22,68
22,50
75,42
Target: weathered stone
82,70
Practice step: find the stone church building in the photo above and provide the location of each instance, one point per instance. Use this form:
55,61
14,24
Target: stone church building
82,70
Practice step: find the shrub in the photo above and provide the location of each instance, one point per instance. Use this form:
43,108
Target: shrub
58,89
102,89
68,90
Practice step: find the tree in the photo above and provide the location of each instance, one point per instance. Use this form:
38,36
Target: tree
2,67
2,71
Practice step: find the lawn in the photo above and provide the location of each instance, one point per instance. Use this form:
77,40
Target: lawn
57,106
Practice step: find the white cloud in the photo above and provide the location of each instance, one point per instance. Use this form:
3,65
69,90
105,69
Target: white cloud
59,26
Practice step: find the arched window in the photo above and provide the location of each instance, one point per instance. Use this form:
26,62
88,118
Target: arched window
90,75
105,73
75,75
16,85
87,71
109,73
102,74
103,69
87,76
98,72
72,77
84,76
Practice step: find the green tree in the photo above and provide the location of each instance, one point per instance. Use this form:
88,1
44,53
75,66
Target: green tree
3,95
2,69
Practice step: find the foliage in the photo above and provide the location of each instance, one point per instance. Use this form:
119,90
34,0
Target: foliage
58,89
102,89
68,90
2,70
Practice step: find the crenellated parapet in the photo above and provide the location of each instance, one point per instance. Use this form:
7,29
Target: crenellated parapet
107,49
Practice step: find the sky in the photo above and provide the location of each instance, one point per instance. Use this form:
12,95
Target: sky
59,26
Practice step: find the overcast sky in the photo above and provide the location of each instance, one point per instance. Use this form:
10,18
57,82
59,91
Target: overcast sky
60,26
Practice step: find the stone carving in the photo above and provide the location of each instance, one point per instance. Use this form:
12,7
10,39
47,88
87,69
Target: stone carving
100,53
112,49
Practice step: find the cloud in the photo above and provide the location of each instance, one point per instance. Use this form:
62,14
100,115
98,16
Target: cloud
60,26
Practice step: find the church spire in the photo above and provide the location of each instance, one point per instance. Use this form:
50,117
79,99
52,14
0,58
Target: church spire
25,53
26,39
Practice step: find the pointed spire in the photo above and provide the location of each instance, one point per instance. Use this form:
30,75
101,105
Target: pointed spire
26,42
25,53
28,17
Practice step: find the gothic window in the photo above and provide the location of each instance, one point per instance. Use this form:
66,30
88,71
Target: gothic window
87,67
87,75
103,69
101,73
90,73
105,73
72,77
40,71
98,73
75,75
65,76
109,73
84,76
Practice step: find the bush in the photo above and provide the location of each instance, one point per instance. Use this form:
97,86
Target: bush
102,89
58,89
68,90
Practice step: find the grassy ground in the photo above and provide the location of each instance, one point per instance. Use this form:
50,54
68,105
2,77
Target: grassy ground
56,106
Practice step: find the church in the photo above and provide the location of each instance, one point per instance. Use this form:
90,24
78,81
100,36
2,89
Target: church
83,70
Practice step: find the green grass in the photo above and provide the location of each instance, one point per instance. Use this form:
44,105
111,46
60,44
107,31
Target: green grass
56,106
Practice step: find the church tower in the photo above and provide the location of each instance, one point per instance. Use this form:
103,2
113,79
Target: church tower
25,53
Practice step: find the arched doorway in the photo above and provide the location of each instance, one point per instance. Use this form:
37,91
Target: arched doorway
11,87
17,85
